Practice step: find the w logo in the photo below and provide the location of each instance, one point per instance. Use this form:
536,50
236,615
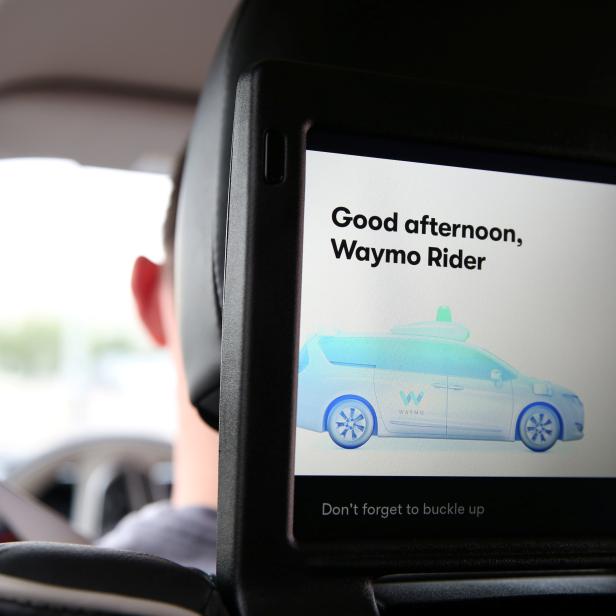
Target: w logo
411,397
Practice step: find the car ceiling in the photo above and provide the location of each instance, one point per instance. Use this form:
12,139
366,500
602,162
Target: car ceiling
105,82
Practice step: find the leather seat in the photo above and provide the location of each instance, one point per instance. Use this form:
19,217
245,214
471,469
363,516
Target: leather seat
45,579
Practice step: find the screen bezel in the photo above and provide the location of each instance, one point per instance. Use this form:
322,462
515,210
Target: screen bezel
262,292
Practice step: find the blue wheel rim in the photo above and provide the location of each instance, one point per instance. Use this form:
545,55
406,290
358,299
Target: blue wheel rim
350,423
541,428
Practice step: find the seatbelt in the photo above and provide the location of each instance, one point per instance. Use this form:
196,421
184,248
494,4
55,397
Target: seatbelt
31,520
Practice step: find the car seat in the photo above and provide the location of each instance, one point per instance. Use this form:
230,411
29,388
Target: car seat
45,579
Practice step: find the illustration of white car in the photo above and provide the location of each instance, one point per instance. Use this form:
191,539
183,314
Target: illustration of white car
424,380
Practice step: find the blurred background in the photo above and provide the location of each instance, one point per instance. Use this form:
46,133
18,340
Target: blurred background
96,102
74,361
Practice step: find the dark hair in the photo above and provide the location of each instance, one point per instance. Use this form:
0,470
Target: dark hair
172,211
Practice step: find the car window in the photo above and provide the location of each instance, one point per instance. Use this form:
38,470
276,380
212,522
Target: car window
468,362
410,355
351,350
425,356
74,360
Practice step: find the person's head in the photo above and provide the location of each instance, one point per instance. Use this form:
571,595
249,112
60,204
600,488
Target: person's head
196,444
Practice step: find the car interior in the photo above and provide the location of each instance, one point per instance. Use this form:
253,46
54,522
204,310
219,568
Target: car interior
352,479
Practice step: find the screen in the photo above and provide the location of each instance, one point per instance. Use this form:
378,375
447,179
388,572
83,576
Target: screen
457,321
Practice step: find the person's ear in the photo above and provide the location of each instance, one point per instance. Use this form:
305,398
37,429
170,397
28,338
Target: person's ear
146,284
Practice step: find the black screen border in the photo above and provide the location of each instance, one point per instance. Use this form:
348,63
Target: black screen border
323,140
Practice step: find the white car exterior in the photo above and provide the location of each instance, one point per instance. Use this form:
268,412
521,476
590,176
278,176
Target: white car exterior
427,386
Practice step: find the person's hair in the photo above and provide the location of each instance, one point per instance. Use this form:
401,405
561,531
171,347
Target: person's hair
172,212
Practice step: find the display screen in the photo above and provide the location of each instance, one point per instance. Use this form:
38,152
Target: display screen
457,321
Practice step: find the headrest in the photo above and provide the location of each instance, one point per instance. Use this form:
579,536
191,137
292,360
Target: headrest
41,579
418,40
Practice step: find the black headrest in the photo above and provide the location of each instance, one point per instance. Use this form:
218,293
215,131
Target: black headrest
547,49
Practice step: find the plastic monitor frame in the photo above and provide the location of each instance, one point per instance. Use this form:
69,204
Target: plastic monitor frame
259,560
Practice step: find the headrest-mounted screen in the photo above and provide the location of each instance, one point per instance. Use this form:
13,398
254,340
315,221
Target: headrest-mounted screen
425,272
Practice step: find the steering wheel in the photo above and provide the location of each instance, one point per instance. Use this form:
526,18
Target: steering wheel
95,482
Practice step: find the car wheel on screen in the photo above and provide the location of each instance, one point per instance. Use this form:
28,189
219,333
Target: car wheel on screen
350,422
539,427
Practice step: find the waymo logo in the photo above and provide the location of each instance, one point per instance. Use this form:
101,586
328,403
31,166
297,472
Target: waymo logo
411,397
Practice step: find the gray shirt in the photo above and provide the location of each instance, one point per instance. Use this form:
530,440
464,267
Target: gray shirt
185,535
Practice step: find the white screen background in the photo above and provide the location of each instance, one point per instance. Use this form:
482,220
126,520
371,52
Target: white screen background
548,308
